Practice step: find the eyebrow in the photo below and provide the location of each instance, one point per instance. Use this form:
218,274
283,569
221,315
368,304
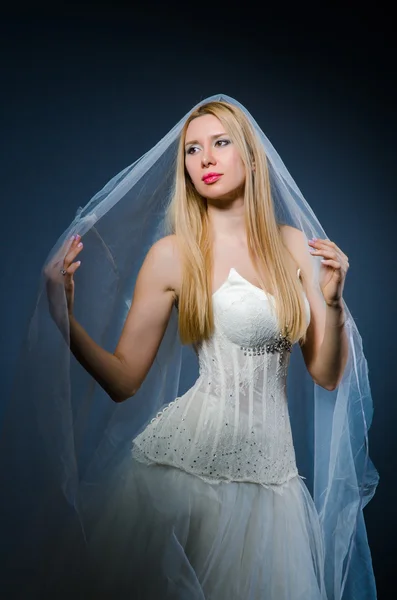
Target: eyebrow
212,137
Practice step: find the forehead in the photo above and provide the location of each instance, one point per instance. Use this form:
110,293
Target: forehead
203,126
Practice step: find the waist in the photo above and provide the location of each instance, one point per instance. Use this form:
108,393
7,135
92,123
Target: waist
242,437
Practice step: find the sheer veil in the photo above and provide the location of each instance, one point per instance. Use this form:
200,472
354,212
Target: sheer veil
62,435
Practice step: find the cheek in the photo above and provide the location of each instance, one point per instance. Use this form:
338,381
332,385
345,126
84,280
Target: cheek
238,169
191,170
236,164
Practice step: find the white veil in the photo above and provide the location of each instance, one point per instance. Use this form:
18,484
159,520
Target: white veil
62,435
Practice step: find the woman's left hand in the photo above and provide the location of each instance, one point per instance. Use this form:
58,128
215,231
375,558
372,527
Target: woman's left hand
333,269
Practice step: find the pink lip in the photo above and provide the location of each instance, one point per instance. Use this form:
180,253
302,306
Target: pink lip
211,177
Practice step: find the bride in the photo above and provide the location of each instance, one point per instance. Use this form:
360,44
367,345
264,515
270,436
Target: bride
201,494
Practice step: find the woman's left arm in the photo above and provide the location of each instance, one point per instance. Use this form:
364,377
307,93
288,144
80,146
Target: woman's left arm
325,350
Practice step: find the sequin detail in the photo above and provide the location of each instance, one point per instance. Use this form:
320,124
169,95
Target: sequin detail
279,344
233,423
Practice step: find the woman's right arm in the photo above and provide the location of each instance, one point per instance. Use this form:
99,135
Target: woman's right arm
122,373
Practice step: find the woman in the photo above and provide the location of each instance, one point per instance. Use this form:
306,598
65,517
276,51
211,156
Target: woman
211,503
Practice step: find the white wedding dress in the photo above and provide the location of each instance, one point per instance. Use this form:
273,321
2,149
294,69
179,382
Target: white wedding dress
211,505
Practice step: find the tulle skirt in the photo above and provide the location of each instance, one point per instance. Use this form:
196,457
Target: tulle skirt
161,533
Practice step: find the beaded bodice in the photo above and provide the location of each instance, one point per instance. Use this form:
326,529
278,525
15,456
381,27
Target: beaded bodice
233,423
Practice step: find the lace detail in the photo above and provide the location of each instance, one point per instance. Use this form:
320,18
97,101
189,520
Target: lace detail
278,488
161,412
233,424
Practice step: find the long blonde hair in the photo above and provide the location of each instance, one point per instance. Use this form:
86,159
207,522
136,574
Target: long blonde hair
187,218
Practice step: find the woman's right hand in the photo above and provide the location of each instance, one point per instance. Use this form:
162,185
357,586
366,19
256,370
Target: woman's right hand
71,267
56,281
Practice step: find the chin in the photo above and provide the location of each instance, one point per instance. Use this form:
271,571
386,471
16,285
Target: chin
222,193
214,190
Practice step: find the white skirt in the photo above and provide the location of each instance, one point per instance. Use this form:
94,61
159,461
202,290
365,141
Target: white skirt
164,534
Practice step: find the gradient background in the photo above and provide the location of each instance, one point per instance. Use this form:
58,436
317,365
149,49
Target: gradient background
88,91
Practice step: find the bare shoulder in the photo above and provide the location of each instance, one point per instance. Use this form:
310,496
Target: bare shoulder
164,258
295,241
291,235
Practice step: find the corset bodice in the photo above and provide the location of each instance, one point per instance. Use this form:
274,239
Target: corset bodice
233,423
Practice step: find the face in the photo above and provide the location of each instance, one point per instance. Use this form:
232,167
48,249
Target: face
210,150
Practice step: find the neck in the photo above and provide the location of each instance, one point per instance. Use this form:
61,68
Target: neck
227,221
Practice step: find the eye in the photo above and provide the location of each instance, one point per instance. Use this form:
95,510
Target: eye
189,151
223,142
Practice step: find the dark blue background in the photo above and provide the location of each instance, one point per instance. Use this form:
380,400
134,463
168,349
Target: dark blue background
87,92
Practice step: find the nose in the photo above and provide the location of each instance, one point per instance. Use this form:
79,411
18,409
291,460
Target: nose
207,159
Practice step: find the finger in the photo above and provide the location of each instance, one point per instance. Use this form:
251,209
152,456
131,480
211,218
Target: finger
320,242
316,243
329,243
72,268
61,253
63,257
338,250
331,254
73,252
328,257
324,252
70,243
332,263
73,241
60,257
326,244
